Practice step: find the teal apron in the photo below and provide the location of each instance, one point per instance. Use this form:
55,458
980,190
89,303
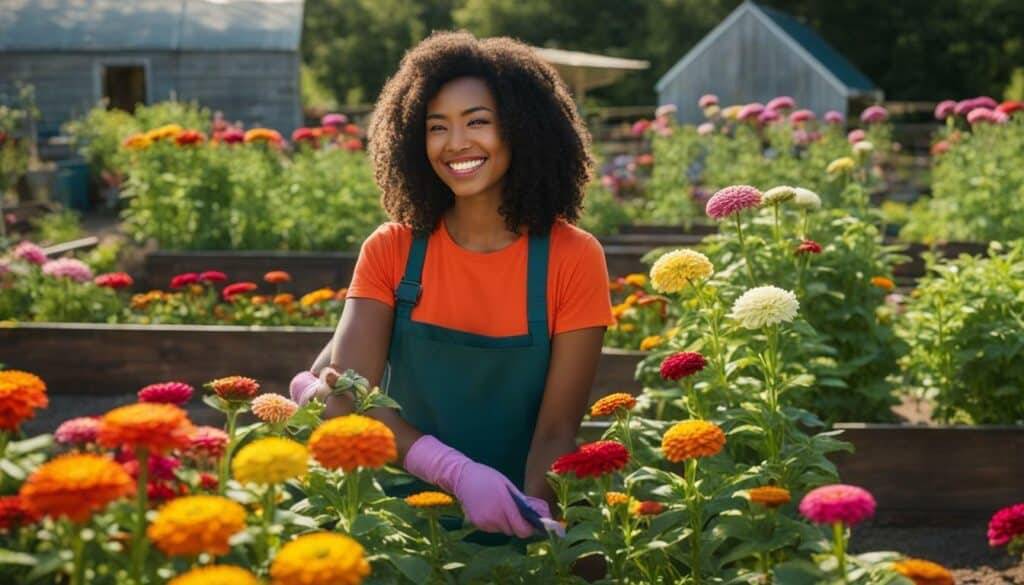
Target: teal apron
476,393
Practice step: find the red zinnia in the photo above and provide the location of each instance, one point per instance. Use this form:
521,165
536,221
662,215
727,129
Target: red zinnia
213,276
808,247
14,513
166,392
115,280
593,459
352,130
238,288
352,145
184,279
1006,524
646,508
189,137
234,387
680,365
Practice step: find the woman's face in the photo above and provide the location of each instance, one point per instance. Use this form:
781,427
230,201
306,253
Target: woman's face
464,142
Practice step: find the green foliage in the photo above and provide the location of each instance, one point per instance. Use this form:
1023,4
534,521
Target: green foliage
965,328
15,144
58,227
603,212
977,188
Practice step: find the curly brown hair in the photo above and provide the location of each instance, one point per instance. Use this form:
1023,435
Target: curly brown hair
551,160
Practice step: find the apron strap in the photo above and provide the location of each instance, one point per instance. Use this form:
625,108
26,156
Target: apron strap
407,295
537,286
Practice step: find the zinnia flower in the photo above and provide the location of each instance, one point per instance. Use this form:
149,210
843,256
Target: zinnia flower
265,135
75,486
776,195
808,247
429,500
207,442
646,508
238,288
137,141
321,557
284,299
829,504
923,572
185,279
1009,107
157,428
874,114
215,575
78,431
665,110
763,306
944,109
650,342
21,393
732,200
616,498
164,132
231,136
840,165
277,277
769,496
978,115
883,283
213,276
637,280
855,136
801,116
352,145
731,112
317,296
691,439
593,460
114,280
30,252
14,514
352,441
609,404
705,128
305,134
75,270
806,198
706,100
680,365
234,387
189,138
333,119
194,525
167,393
768,116
833,117
674,270
273,408
1006,524
270,460
863,148
750,111
639,127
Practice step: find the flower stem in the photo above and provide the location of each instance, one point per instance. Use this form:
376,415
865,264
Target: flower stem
743,248
839,542
352,491
138,540
623,417
78,559
777,226
223,472
696,524
269,506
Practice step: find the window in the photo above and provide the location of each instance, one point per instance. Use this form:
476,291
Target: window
124,86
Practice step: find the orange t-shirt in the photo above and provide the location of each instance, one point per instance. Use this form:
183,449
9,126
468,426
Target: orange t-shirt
485,293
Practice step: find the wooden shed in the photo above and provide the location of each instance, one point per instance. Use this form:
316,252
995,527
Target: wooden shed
240,57
758,53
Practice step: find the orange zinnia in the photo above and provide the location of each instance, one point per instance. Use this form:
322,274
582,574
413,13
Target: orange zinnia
75,486
21,393
923,572
769,496
157,428
609,404
691,439
234,387
616,498
352,441
883,283
277,277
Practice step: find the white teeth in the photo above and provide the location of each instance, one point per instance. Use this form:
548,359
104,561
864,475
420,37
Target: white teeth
466,165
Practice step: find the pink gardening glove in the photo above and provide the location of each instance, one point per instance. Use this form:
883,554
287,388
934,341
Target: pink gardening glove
306,386
544,511
481,490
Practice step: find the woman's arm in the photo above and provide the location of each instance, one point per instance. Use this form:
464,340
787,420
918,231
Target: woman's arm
573,364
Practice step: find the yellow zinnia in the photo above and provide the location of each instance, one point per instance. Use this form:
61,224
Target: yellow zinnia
164,132
270,460
650,342
197,524
429,500
638,280
322,557
352,441
616,498
674,270
215,575
317,296
840,165
691,439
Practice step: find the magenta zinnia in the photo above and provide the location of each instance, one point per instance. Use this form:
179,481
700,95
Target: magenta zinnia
1006,524
30,252
874,114
680,365
833,117
593,460
78,431
213,276
732,200
75,270
167,393
829,504
750,111
944,109
783,102
207,442
801,116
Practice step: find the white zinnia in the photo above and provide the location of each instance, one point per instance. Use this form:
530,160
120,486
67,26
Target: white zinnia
863,147
806,198
780,194
764,305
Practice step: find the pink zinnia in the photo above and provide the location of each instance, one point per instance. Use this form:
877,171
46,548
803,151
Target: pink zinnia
801,116
874,114
808,247
750,111
1000,117
207,442
855,136
665,110
160,466
985,102
680,365
839,502
333,119
833,117
213,276
167,393
768,116
640,126
30,252
115,280
76,270
705,128
963,107
231,136
81,430
1006,524
783,102
708,99
944,109
732,200
184,279
978,115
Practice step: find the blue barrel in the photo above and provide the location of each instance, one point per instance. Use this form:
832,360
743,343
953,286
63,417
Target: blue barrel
71,188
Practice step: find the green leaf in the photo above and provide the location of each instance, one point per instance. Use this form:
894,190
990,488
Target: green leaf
10,557
414,568
12,470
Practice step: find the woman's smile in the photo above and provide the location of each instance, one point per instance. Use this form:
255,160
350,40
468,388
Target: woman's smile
465,167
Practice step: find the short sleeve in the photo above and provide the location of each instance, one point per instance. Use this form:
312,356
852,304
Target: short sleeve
375,275
583,299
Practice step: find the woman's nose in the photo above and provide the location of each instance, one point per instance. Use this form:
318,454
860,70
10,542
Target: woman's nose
458,140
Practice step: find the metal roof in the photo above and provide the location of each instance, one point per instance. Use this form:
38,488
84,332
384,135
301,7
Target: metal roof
170,25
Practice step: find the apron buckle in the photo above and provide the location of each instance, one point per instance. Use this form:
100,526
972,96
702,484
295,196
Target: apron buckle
408,291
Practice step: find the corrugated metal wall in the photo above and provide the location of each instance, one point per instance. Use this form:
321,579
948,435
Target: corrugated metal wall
747,63
258,88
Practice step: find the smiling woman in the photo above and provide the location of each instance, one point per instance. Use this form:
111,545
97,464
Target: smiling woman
485,303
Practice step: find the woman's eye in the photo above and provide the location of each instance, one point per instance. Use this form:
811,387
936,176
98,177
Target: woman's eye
479,122
435,128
